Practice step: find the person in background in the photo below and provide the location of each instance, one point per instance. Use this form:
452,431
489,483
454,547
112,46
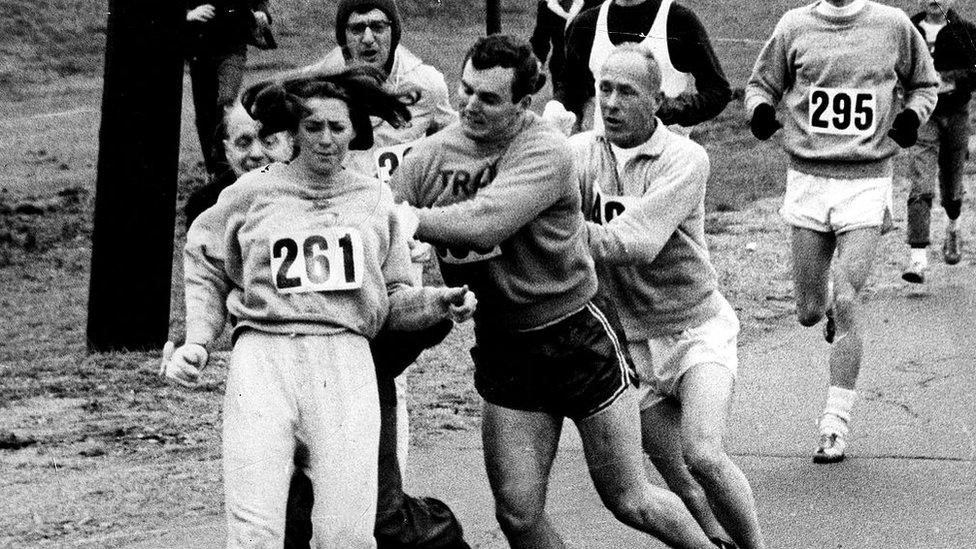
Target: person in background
694,85
217,35
938,159
549,34
369,32
245,149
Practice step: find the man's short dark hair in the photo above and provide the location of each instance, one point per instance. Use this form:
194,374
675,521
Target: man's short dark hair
508,52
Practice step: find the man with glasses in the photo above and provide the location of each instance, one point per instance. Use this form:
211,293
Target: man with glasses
368,32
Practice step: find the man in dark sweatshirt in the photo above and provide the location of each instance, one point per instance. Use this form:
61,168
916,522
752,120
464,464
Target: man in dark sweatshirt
943,141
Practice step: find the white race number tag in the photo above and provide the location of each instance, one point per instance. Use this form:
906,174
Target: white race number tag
323,260
458,255
608,207
387,159
842,111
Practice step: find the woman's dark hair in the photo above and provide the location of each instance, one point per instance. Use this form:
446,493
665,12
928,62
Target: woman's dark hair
508,52
279,105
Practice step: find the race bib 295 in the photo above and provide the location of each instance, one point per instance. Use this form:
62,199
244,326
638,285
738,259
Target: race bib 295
842,111
322,260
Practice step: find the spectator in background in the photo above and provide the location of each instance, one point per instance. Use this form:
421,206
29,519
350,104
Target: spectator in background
680,45
549,34
217,35
245,149
943,141
368,32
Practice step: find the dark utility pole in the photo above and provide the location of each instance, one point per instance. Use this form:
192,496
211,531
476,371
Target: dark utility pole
135,190
493,16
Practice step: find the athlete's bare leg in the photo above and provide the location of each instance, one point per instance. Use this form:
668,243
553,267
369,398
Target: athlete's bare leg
519,450
613,454
855,258
812,253
705,392
661,433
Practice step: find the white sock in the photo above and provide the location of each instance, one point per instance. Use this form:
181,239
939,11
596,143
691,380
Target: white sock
920,255
837,412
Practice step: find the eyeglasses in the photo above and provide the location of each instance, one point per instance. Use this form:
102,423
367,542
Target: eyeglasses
378,27
244,142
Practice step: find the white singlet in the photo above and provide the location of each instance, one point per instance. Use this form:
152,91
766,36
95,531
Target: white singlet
673,81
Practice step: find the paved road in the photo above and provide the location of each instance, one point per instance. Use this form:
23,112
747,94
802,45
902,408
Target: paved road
910,480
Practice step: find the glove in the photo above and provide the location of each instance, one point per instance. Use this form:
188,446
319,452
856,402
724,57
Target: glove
183,364
904,130
460,303
764,123
557,115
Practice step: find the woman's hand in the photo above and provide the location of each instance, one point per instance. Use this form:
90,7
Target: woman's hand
459,303
201,13
183,364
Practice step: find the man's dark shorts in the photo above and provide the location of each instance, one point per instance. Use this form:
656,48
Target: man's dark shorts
574,368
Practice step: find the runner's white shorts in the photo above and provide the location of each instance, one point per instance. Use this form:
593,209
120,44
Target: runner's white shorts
661,361
830,205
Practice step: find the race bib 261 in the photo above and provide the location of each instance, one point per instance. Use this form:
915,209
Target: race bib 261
322,260
842,111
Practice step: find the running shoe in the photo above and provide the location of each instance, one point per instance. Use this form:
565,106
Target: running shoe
830,328
951,247
830,449
723,544
915,273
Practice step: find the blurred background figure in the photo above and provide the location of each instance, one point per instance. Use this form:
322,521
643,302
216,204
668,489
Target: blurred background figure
244,150
217,35
552,18
939,156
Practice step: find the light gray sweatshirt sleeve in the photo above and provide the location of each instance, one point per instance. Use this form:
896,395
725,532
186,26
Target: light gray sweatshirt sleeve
771,72
917,73
211,247
411,307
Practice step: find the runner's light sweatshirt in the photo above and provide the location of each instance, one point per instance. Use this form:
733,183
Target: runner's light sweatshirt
876,50
229,250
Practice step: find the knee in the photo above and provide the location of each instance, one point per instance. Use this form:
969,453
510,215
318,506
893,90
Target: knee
518,512
705,461
845,304
633,506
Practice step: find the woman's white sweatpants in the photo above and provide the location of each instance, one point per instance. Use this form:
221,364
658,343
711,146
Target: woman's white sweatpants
319,391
